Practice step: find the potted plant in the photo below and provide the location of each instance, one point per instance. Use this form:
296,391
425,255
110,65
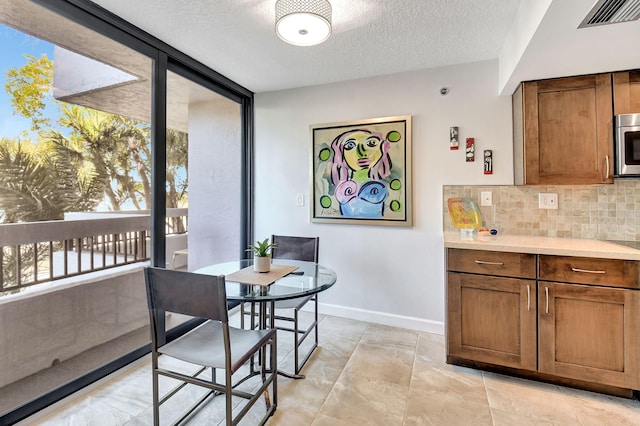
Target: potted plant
261,255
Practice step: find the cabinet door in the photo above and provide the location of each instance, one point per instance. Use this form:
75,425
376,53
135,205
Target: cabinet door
589,333
492,319
568,134
626,92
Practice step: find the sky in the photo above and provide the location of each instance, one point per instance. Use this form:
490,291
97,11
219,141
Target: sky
13,46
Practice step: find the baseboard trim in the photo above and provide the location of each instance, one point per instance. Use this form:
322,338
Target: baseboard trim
413,323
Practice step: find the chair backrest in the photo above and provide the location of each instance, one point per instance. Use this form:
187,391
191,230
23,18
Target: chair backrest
295,248
187,293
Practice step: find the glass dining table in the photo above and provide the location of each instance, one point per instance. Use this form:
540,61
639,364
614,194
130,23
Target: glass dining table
307,279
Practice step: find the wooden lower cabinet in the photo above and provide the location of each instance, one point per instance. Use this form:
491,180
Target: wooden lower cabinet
492,319
581,333
589,333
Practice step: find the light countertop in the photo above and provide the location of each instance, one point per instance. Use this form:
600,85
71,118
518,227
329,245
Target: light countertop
542,245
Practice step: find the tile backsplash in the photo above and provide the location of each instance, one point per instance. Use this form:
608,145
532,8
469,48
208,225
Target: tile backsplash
608,212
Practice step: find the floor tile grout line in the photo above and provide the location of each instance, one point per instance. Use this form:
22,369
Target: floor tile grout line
341,373
413,369
484,385
571,406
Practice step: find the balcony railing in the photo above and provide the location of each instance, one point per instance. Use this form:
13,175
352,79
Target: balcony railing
38,252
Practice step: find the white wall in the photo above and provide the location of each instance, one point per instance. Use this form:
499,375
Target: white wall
388,275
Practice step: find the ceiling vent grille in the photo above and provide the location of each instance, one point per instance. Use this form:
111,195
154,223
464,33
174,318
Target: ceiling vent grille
612,12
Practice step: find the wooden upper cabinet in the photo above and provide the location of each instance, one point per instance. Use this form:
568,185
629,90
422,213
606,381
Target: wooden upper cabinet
563,131
626,92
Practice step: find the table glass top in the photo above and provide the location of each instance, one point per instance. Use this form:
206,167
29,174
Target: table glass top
308,279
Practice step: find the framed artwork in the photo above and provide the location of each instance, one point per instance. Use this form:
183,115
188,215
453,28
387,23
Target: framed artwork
361,172
453,138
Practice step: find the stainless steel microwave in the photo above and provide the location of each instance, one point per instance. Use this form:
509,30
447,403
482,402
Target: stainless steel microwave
627,149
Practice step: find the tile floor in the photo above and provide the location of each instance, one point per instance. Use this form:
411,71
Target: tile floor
365,374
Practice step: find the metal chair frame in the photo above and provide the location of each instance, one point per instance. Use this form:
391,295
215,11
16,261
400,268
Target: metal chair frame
212,345
288,247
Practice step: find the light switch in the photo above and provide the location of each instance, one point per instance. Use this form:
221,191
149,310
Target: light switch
300,199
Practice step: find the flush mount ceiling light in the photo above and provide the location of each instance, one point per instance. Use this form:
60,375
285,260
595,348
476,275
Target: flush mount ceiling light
303,22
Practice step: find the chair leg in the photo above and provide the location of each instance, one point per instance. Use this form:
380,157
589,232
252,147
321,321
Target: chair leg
315,298
156,396
296,343
253,316
274,370
228,396
263,374
297,333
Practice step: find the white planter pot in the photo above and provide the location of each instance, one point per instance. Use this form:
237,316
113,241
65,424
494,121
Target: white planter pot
261,264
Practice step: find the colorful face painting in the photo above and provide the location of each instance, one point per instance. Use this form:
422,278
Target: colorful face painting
361,172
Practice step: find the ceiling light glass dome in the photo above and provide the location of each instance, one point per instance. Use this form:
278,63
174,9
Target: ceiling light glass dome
303,22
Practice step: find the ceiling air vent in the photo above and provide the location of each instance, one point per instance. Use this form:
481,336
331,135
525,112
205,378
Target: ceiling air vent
612,12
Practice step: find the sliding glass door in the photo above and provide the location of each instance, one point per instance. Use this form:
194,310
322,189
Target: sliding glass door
138,155
208,126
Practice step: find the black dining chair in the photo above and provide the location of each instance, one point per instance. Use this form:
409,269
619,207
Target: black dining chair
212,345
305,249
294,248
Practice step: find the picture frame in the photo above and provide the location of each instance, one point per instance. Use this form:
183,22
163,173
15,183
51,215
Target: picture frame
453,138
361,172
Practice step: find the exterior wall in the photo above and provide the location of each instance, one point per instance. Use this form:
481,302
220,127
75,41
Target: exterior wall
173,244
57,321
214,182
388,275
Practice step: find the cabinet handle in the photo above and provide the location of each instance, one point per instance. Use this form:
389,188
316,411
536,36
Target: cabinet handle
546,307
528,297
606,160
484,262
587,271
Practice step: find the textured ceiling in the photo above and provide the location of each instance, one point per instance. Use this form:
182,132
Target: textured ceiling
370,37
532,39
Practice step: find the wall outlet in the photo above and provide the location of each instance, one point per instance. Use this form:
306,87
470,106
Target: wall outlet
486,198
548,200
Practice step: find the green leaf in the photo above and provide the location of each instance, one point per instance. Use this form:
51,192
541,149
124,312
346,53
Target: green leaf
261,248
